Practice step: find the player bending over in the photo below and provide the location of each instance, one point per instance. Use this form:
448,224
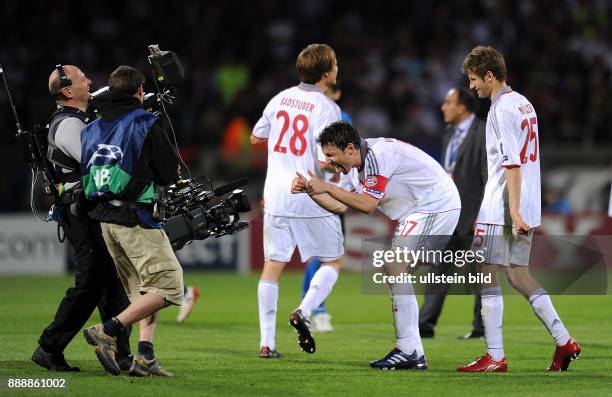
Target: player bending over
406,185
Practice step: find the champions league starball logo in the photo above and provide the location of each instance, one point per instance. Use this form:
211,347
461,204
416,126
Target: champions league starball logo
106,155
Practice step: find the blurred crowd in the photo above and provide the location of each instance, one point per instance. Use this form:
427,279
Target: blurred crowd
397,60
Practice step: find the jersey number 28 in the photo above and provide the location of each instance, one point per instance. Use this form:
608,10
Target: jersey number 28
300,126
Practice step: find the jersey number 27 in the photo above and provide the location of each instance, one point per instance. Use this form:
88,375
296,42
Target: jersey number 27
300,126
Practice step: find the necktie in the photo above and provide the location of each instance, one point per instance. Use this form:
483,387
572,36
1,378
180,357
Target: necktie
453,147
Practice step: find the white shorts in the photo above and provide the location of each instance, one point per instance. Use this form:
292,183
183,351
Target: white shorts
320,237
426,231
502,245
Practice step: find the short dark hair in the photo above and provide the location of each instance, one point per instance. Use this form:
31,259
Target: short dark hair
126,79
314,61
483,59
466,98
339,134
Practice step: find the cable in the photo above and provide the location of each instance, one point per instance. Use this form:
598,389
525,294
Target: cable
161,97
32,204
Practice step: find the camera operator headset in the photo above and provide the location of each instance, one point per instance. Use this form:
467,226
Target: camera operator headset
96,281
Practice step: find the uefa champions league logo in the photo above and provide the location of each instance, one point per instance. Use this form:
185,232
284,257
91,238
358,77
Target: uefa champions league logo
106,155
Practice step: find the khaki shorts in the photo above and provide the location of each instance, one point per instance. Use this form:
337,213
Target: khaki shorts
501,245
145,262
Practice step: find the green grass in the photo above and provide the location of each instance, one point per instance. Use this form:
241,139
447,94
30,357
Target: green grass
215,351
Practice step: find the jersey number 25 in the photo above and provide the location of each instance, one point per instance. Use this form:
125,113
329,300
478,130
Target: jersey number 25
531,135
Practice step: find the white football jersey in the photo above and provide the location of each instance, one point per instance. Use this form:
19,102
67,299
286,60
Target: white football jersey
292,122
512,141
404,178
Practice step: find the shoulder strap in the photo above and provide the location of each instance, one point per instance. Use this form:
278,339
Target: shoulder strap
54,154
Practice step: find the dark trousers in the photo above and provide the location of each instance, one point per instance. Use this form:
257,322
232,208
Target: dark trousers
96,284
435,294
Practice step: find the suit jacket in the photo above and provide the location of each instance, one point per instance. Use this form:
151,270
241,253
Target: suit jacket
470,174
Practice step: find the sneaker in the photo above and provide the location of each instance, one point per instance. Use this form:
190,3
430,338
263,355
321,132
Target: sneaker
397,359
125,363
143,367
265,352
486,364
321,323
189,301
302,326
422,363
106,347
564,355
52,361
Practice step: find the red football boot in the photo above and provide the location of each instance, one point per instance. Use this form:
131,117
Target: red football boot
486,364
564,355
265,352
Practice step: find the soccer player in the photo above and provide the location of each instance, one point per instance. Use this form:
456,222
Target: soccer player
320,320
406,185
510,210
290,123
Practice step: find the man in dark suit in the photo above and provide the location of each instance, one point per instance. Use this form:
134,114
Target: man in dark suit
464,157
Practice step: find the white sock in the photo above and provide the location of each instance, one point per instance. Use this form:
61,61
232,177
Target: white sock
267,295
406,318
543,308
492,313
320,287
415,328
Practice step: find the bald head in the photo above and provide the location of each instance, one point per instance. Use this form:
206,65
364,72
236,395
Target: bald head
76,94
54,79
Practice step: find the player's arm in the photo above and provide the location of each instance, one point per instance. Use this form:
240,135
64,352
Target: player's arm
361,202
324,200
255,140
261,130
513,182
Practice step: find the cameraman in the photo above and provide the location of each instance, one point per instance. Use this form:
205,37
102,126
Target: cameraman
96,281
125,156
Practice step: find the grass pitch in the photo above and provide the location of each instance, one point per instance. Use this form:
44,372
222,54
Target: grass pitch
215,351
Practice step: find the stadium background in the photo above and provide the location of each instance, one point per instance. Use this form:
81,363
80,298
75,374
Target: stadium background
397,60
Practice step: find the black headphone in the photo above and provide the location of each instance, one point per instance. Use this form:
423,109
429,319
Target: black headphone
64,80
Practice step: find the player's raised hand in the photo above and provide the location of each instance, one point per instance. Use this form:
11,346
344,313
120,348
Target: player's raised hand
299,184
316,185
